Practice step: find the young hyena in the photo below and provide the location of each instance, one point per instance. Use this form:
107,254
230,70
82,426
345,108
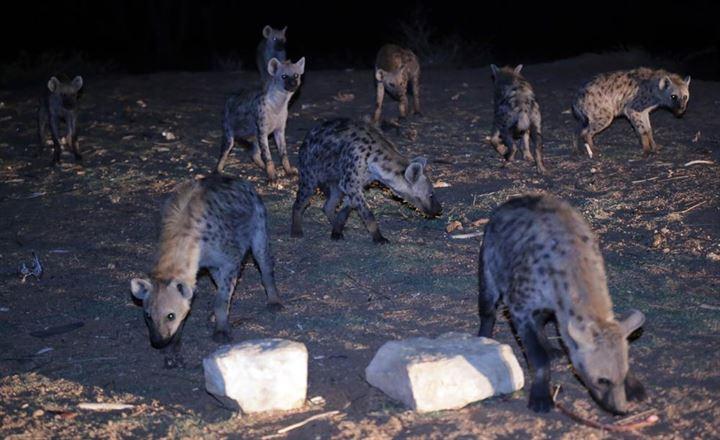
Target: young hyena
397,71
59,104
541,259
257,115
209,223
630,93
341,158
271,46
517,114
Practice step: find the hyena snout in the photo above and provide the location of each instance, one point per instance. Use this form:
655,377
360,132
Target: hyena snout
433,208
613,399
291,84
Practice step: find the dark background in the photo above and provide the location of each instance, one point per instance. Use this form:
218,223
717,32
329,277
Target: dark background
147,36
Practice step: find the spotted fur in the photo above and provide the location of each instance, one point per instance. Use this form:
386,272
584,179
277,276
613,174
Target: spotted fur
210,223
342,157
540,258
397,72
59,103
255,115
630,93
517,114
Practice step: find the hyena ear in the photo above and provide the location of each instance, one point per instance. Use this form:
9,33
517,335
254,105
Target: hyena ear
518,68
687,80
301,65
421,160
494,69
273,66
77,83
581,336
413,172
663,83
267,30
53,84
183,289
379,74
140,288
283,31
633,322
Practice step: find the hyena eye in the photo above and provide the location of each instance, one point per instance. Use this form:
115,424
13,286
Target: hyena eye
673,97
284,76
603,382
171,316
295,76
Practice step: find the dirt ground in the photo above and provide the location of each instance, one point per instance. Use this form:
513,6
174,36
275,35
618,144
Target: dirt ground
94,228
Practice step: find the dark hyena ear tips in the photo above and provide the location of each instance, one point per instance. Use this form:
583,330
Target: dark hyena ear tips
266,31
420,160
53,84
518,68
413,171
687,80
634,321
494,69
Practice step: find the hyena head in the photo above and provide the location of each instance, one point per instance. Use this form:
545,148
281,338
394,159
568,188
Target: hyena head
69,92
601,358
395,82
415,188
166,305
286,74
674,93
500,73
275,37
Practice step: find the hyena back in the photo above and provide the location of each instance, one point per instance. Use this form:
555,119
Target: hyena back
209,223
342,157
630,93
541,259
257,115
517,113
59,104
397,71
271,46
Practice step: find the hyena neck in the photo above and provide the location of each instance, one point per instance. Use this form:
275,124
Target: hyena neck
179,260
389,169
277,98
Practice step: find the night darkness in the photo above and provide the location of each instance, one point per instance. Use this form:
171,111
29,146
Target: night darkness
147,36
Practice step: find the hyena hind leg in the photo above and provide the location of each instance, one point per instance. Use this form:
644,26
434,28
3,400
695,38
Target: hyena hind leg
487,302
264,260
539,361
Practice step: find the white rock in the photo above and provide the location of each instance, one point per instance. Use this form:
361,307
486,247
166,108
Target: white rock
259,375
444,373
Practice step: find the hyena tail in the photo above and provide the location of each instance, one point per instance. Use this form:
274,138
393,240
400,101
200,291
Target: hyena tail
523,121
580,115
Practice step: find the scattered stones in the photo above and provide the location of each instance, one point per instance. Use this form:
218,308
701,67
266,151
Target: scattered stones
444,373
258,375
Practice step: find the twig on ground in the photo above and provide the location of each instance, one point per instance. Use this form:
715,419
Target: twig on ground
699,162
308,420
692,207
635,182
464,236
92,406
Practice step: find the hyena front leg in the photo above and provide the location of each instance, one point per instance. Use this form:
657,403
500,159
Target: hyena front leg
333,196
42,131
526,146
72,138
641,123
225,278
172,353
379,95
279,135
358,202
416,94
497,143
539,360
263,258
340,220
488,297
403,104
261,145
55,133
508,140
536,137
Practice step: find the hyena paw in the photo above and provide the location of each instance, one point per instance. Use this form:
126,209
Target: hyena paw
221,336
291,171
296,232
337,236
380,240
540,400
275,306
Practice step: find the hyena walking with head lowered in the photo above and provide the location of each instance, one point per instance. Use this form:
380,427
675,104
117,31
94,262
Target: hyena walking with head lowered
341,158
257,115
517,114
58,104
210,223
541,259
397,72
630,93
271,46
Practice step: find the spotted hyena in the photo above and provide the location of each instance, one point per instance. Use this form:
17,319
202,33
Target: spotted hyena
210,223
342,157
271,46
257,115
517,114
58,104
397,72
540,258
630,93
